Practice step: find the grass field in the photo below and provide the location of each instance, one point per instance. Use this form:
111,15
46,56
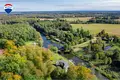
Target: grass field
80,18
29,42
113,29
82,45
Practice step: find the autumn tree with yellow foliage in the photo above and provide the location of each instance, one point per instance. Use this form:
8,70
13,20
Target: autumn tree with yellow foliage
79,73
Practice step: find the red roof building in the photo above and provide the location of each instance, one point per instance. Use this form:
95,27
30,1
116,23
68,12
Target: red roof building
1,51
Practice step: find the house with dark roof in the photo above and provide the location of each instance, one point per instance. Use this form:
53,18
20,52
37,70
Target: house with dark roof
63,64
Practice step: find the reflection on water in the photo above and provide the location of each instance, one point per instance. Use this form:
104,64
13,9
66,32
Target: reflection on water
47,42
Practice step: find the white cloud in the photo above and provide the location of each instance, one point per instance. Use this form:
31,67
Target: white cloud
28,5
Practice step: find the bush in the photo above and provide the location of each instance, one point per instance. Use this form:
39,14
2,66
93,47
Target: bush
54,49
2,43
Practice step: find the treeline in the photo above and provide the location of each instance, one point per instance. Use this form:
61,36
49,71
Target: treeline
78,22
19,33
63,14
104,21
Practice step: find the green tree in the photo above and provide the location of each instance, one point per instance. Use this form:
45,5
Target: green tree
2,43
97,56
109,60
106,60
116,55
79,73
96,47
54,49
20,33
89,48
58,73
39,59
101,55
9,76
12,63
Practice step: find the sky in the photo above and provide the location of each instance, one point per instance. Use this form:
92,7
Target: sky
61,5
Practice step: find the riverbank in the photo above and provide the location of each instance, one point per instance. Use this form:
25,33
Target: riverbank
48,42
74,59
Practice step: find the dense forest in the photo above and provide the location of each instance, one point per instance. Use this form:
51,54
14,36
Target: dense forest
104,20
19,33
19,61
36,63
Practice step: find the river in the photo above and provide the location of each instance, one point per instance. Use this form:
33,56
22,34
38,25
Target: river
47,43
75,60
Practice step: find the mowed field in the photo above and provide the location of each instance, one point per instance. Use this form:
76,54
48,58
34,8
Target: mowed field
113,29
77,18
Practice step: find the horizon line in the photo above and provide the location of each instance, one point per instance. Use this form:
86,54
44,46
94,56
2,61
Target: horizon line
60,11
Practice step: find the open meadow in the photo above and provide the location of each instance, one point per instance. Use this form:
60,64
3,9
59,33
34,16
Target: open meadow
77,18
113,29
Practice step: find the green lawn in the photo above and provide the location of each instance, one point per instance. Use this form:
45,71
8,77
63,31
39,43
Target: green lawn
82,45
76,18
29,42
57,57
113,29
